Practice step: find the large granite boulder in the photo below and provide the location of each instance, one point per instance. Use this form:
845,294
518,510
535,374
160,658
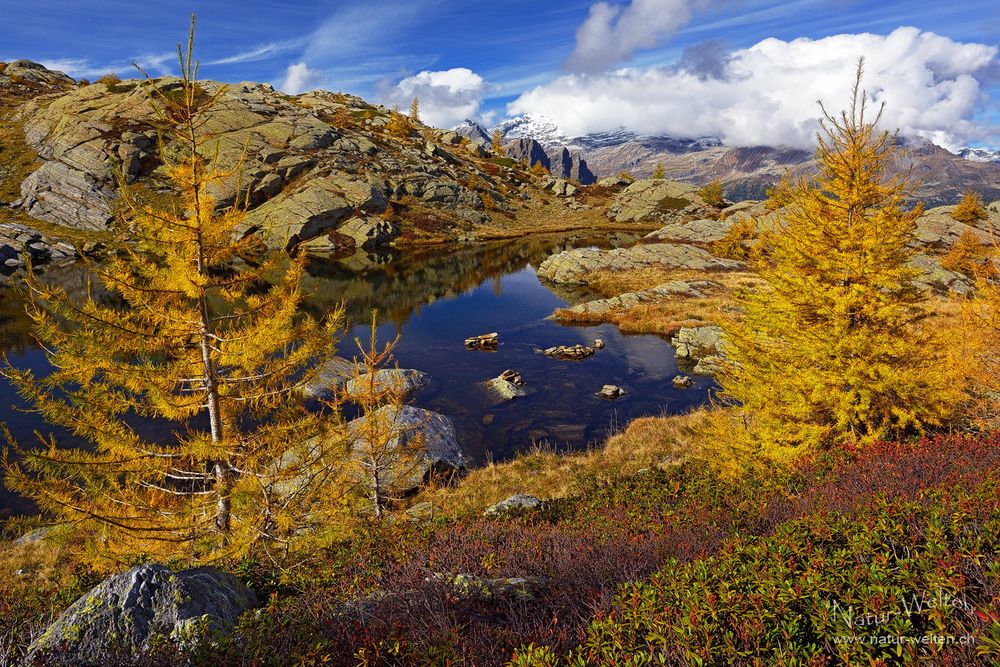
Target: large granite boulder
937,230
572,266
431,436
403,381
126,613
318,207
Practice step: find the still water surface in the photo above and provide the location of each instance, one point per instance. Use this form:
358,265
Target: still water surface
435,298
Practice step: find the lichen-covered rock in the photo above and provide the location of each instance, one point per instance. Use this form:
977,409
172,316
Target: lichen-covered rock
331,376
937,230
122,615
673,289
571,266
431,434
932,276
520,502
654,199
403,381
697,342
702,230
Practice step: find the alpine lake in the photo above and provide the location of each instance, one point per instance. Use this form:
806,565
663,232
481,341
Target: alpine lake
433,298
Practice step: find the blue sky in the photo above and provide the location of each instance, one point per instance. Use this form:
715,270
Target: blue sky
512,45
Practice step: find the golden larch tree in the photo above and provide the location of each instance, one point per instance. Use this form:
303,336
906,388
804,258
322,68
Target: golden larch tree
195,335
659,171
496,142
415,110
969,209
834,349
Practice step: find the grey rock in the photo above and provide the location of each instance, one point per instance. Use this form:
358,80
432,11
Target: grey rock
370,233
528,151
702,230
125,613
611,392
658,199
563,164
401,381
934,277
697,342
516,504
571,266
409,427
675,288
332,375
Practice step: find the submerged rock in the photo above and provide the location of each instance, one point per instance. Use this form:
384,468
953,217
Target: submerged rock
682,382
124,614
611,392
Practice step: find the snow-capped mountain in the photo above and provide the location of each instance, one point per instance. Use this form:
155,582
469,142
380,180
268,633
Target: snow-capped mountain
980,154
542,129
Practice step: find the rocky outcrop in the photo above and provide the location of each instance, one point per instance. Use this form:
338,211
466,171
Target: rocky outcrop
700,344
937,230
430,434
934,277
528,151
313,165
563,164
18,242
28,73
701,230
572,266
126,613
672,289
657,199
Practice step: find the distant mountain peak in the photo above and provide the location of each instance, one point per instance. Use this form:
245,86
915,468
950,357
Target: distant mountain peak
980,154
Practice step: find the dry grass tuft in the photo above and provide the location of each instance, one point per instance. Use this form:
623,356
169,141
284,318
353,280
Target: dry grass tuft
646,443
666,316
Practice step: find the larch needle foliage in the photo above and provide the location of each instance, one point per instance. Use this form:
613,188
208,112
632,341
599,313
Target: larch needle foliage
833,348
194,335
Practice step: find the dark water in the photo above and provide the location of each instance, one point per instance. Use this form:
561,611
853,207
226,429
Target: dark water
434,299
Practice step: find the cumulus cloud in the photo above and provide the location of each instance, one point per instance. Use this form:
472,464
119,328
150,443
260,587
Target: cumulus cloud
612,33
767,94
446,97
299,78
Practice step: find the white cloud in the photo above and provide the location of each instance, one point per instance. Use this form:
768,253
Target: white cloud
299,78
769,92
612,33
446,97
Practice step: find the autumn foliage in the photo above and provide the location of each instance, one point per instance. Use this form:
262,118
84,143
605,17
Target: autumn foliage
833,349
177,327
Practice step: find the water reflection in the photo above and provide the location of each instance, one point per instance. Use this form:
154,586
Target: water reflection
435,297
